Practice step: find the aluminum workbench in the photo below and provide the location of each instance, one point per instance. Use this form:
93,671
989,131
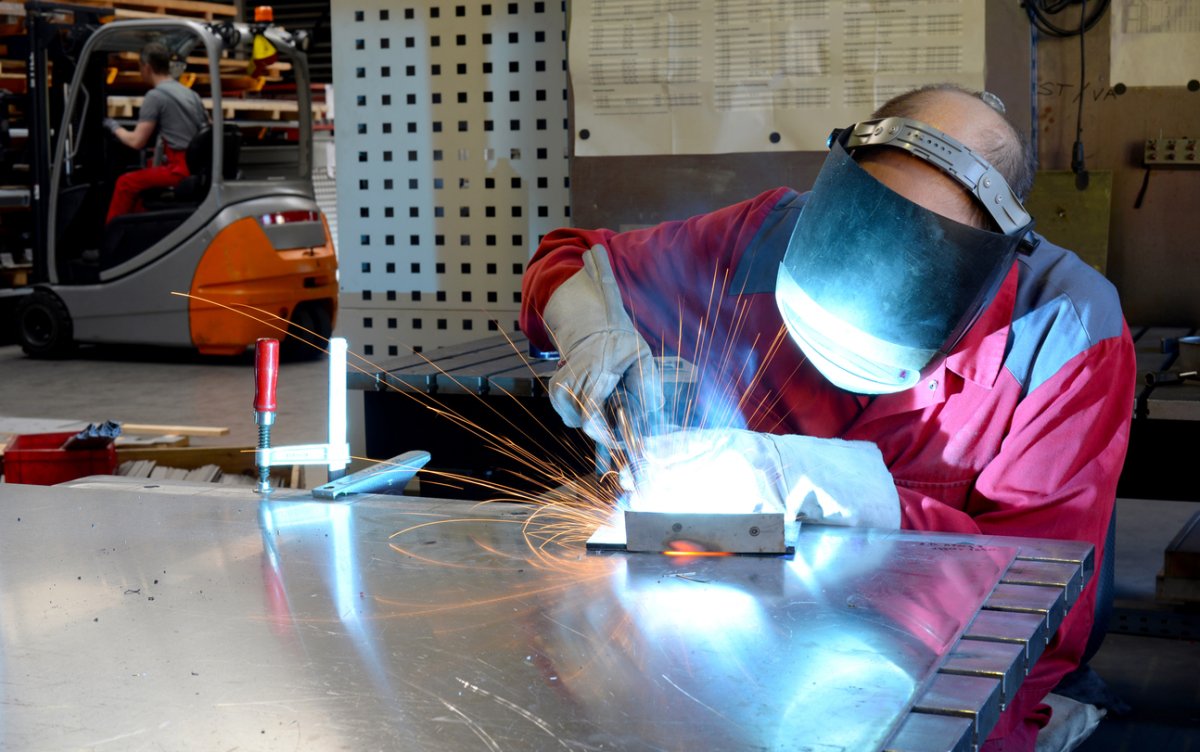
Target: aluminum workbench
141,615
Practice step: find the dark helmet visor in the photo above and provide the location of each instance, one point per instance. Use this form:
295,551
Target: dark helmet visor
877,289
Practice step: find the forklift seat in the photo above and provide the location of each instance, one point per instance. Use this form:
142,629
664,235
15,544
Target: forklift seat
192,189
129,234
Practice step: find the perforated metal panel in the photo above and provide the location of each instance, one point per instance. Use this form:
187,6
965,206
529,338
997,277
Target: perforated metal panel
451,163
324,184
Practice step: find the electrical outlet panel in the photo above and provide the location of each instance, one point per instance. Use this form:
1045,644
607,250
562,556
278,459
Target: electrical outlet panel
1165,151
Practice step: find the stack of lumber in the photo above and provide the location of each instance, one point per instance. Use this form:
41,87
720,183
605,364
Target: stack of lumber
231,109
195,10
203,474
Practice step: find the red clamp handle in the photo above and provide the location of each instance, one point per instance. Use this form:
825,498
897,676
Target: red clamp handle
266,374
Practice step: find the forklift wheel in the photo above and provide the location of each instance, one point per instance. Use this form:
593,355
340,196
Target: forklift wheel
44,326
301,345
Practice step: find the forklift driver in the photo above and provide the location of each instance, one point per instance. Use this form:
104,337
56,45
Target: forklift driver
170,108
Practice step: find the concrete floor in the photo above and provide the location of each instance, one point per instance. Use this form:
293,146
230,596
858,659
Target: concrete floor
164,386
1158,677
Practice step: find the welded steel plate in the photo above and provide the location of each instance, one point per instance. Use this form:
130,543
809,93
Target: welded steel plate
142,620
655,532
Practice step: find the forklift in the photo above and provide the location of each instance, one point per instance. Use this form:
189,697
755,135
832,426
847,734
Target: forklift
241,234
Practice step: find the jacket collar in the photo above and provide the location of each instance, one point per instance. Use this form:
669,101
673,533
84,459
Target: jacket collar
980,355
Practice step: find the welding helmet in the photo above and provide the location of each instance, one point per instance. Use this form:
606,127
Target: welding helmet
875,289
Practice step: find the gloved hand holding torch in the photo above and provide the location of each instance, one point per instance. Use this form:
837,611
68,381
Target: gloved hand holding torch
601,350
828,481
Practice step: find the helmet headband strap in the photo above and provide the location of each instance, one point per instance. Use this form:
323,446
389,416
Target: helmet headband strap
972,171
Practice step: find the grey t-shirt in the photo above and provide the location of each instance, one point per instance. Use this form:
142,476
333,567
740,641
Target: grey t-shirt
178,110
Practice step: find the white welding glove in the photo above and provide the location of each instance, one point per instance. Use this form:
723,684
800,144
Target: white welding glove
827,481
600,350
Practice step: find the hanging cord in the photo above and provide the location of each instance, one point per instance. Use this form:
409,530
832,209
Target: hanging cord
1077,165
1039,12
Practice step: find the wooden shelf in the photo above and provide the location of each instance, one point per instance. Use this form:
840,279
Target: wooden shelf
126,107
191,9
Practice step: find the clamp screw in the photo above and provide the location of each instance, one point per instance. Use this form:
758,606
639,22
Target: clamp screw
987,182
753,531
676,527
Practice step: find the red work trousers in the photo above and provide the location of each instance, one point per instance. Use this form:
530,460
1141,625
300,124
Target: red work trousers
131,184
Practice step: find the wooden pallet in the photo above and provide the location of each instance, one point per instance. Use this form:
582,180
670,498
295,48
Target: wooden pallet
130,81
129,61
16,276
267,109
196,10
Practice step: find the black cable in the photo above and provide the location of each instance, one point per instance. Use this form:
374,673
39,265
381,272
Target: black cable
1039,12
1077,165
1137,203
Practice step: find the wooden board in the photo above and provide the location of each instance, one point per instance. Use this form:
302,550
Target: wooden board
1151,258
229,459
1072,218
188,9
15,276
158,8
129,61
130,83
273,109
143,429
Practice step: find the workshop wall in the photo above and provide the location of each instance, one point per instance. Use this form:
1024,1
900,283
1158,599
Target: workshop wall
619,193
451,164
1153,258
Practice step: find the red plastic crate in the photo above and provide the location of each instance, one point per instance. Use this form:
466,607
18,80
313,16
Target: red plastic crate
38,459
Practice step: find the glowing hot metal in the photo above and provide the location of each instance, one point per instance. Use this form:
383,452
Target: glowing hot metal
683,534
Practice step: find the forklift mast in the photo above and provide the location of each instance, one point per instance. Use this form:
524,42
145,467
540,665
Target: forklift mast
240,228
49,44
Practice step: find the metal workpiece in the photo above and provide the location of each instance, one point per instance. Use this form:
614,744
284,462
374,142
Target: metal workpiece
389,476
1052,574
208,618
926,732
975,698
1000,661
1024,629
1077,553
1048,602
653,531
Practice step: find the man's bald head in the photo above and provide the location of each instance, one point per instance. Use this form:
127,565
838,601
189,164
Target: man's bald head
963,115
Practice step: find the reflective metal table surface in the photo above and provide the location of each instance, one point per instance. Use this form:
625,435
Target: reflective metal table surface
187,618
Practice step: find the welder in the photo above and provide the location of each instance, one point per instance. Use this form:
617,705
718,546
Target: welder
900,323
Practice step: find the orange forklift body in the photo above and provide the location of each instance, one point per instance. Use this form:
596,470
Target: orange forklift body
242,283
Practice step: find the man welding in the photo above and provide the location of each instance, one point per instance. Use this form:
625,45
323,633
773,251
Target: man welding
171,109
900,324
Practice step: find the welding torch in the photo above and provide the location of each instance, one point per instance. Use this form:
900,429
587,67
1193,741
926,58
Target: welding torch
629,424
630,421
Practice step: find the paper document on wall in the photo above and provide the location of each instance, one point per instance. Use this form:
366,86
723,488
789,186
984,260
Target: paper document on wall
1155,42
718,76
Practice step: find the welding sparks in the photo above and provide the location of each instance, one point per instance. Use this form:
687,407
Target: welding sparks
570,506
